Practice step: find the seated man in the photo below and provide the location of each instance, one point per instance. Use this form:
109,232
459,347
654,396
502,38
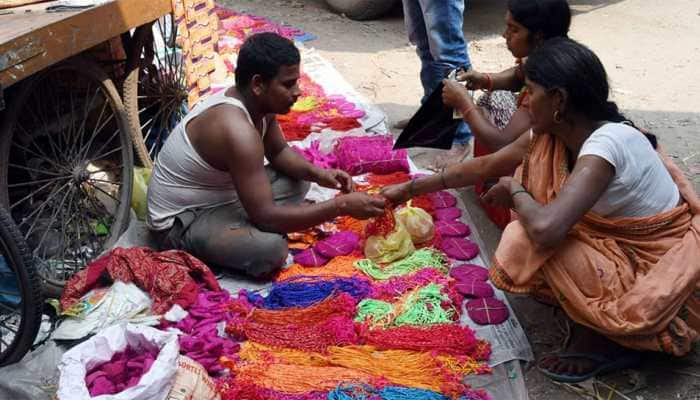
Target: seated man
226,186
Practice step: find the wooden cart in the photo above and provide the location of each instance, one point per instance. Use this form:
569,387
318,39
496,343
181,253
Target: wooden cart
66,161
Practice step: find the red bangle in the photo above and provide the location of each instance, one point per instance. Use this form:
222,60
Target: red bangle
466,110
489,83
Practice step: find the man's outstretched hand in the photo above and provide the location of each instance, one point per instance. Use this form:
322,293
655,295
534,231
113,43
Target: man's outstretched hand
335,179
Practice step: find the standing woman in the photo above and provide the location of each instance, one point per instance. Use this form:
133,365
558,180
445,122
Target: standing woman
529,23
608,227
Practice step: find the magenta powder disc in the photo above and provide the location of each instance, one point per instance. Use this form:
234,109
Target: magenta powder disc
487,311
475,289
459,249
452,229
443,199
310,258
339,244
448,214
469,272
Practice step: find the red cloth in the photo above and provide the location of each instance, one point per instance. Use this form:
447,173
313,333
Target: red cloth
170,277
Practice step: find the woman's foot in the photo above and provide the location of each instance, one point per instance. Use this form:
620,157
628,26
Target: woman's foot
588,355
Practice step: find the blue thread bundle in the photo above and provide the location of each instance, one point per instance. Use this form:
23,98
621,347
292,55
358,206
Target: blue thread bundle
305,292
366,392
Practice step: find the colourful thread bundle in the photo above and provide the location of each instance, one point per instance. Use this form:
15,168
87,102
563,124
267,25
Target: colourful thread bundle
390,289
362,154
422,258
342,266
364,392
314,328
446,339
305,291
235,389
381,367
423,306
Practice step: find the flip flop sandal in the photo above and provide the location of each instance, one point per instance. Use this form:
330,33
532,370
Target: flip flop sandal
606,365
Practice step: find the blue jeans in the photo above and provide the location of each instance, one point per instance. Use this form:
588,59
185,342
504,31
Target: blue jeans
435,27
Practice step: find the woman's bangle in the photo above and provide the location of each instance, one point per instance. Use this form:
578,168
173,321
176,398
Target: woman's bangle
512,194
466,110
489,83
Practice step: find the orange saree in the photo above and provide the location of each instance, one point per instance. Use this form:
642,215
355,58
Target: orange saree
634,280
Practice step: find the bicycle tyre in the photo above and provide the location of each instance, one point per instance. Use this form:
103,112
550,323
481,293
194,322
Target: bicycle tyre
17,256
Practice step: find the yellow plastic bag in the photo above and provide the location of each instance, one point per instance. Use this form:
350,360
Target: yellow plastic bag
418,223
138,194
395,246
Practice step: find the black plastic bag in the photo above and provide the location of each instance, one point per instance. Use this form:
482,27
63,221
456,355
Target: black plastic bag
432,125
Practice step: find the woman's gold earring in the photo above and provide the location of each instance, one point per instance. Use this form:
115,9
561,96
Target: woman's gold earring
557,117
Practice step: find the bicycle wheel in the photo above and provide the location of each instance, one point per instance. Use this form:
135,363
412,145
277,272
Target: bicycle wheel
66,168
155,93
20,294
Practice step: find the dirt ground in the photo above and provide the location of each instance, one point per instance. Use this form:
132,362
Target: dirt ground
651,49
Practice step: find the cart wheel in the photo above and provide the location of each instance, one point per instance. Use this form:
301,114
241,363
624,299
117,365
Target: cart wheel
155,93
20,294
66,168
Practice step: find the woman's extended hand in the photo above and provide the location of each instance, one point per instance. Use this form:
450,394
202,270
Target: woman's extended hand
499,194
397,194
475,80
455,95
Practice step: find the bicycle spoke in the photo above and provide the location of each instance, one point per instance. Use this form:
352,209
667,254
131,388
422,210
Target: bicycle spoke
25,198
39,171
103,191
38,181
104,155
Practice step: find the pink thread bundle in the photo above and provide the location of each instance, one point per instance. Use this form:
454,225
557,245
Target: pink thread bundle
201,341
122,371
314,155
389,290
362,154
445,339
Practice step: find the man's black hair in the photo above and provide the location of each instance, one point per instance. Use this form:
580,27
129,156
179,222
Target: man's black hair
263,54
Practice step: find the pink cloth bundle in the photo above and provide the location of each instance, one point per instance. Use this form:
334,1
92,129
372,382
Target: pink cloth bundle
487,311
442,199
469,272
339,244
361,154
452,229
310,258
448,214
314,155
459,249
121,372
201,341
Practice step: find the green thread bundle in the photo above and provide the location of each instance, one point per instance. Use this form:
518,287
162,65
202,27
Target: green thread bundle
420,307
422,258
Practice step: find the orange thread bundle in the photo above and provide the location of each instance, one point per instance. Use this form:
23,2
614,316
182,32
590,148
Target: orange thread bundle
341,266
399,367
347,223
389,179
290,378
